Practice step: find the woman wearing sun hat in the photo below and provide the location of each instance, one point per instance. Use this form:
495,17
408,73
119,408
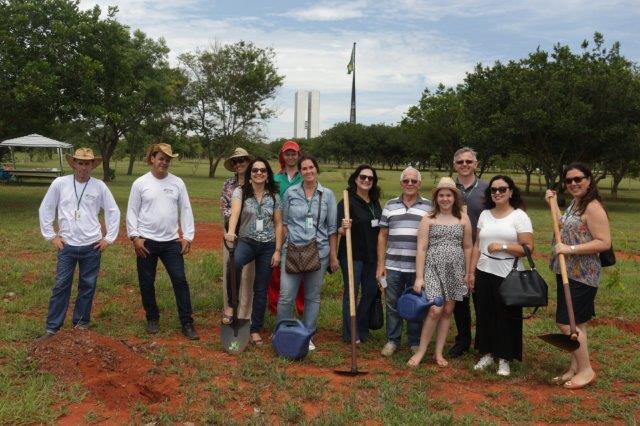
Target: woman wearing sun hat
443,264
237,163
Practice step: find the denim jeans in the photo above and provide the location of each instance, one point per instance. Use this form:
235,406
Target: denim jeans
88,260
397,282
364,276
170,253
289,284
246,251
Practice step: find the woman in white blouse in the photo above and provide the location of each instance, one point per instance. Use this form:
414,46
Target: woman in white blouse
502,229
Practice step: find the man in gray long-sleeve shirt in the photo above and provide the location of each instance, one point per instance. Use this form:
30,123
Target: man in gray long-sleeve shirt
472,190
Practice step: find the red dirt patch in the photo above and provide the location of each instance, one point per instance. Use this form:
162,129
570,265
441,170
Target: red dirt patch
629,326
209,236
628,256
113,371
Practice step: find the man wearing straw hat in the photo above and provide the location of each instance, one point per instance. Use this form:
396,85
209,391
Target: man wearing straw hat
77,200
158,201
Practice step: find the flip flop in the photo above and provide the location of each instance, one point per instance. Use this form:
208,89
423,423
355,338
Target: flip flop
573,386
257,343
226,319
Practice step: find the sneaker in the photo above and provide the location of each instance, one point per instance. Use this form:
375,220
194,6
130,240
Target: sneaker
81,326
503,368
46,336
312,347
414,349
457,350
189,332
389,349
153,326
484,362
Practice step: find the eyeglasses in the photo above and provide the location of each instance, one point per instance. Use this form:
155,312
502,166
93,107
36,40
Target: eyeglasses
499,189
575,180
262,170
409,181
365,178
461,162
239,160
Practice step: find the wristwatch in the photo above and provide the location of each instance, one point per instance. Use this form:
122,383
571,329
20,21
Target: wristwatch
504,247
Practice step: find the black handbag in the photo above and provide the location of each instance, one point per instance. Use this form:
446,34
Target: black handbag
607,257
524,288
376,318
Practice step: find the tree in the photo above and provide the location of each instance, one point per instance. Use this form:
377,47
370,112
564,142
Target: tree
42,63
227,94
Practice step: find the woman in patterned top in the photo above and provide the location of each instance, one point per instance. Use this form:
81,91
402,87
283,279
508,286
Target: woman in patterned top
584,233
236,163
443,261
257,216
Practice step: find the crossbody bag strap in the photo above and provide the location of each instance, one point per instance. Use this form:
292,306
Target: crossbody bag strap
319,213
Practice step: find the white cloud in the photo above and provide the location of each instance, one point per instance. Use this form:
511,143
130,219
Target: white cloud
329,12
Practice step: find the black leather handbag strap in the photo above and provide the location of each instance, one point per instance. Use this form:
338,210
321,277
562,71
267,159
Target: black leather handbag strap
527,254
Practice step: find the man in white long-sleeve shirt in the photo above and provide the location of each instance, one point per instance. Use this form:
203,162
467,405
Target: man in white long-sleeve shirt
158,200
77,200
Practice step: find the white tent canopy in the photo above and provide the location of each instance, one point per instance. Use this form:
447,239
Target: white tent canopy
36,141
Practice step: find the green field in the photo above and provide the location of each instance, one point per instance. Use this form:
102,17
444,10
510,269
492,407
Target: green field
258,388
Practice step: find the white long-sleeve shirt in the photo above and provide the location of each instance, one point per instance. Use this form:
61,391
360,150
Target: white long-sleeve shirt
78,225
155,206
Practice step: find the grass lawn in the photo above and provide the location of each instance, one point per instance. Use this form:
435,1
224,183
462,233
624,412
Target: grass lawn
117,374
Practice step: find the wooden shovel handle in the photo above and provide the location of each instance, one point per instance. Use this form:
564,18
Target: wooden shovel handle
352,296
553,205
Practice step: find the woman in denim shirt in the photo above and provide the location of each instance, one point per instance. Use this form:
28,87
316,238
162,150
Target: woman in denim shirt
256,207
300,208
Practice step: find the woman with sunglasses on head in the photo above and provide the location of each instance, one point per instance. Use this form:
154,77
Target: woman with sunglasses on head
309,214
584,233
502,230
365,212
255,207
236,163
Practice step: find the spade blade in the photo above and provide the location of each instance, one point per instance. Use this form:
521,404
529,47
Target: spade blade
561,341
235,336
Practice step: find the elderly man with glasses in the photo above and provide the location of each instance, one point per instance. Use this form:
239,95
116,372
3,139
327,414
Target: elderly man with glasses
472,190
397,244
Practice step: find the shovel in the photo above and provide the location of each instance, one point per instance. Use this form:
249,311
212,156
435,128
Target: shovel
234,336
352,297
562,341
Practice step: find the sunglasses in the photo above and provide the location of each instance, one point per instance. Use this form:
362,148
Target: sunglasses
262,170
410,181
240,160
461,162
499,189
365,178
575,180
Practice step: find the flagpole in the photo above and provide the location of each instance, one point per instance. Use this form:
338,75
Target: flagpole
352,118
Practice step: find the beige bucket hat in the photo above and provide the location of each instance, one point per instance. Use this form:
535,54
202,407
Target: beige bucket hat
237,153
84,154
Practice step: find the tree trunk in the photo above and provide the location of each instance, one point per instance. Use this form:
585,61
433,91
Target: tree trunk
527,173
106,170
617,178
213,165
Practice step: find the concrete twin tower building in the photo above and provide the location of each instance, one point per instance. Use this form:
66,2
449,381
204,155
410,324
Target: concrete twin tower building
307,114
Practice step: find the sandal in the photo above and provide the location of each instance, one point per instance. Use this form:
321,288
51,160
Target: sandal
257,342
226,319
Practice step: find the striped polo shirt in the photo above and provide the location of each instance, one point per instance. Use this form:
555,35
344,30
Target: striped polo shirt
403,223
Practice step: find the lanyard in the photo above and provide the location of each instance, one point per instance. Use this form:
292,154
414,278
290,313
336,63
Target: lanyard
372,210
310,200
81,194
464,193
259,203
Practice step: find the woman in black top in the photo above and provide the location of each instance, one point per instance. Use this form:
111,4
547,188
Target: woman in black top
365,211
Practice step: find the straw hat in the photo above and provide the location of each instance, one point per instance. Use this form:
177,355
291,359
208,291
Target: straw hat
83,154
165,148
445,183
237,153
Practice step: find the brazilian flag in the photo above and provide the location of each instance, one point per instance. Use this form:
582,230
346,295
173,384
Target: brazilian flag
352,63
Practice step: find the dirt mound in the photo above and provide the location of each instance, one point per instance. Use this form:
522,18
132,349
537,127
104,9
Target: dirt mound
112,370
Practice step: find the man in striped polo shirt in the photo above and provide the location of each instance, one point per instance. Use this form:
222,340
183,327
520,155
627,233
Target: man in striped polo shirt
397,243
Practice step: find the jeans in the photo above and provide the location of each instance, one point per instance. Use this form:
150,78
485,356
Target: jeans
170,253
289,284
88,260
246,251
364,274
397,282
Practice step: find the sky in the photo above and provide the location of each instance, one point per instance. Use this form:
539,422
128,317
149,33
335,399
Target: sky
403,46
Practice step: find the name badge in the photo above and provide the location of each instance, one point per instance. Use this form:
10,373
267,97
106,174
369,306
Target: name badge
309,222
374,223
259,225
77,215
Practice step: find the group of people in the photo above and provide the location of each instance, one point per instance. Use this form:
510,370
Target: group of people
459,244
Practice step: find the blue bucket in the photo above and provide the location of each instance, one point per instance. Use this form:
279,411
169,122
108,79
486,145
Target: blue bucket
291,339
413,307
